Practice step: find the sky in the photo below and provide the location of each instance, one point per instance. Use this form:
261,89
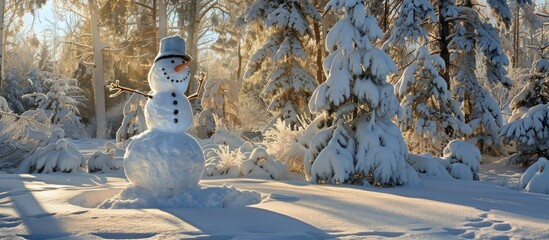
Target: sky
40,19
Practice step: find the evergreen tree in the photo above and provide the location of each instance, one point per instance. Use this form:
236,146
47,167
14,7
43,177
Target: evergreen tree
289,83
431,118
359,99
529,125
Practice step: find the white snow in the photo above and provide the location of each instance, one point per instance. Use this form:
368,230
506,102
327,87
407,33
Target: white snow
64,206
536,177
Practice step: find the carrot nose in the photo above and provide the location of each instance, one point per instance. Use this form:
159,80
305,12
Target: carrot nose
181,66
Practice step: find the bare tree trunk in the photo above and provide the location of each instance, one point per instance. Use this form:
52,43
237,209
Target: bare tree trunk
240,58
192,42
516,38
155,30
319,53
98,65
443,34
162,19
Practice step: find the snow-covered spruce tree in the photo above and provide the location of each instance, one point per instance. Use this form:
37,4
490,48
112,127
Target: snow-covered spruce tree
481,111
431,118
220,99
61,103
289,84
529,125
361,103
535,92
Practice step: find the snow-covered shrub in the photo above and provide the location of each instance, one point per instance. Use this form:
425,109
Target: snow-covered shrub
464,159
431,118
61,103
228,155
428,165
289,83
531,133
461,160
360,104
284,143
262,165
134,118
220,99
109,161
536,177
229,137
22,134
243,163
61,156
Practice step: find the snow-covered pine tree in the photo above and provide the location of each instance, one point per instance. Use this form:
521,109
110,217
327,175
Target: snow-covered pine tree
361,102
431,118
289,84
481,111
529,125
535,92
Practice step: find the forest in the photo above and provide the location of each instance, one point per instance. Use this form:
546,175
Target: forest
385,95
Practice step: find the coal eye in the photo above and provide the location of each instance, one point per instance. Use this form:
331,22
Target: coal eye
173,61
182,61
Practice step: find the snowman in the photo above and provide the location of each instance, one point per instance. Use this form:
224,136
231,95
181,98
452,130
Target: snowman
165,160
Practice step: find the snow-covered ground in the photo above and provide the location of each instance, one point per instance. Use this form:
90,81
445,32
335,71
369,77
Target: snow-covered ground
63,206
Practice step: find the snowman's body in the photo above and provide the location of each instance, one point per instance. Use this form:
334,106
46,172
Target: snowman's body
164,159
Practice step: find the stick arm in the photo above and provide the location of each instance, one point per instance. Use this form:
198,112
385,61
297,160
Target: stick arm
200,85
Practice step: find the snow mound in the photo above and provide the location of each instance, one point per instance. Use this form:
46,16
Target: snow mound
536,177
211,197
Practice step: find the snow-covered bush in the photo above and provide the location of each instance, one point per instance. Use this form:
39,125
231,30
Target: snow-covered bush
285,144
242,163
431,118
290,83
22,134
109,161
360,104
61,103
220,99
61,156
461,160
464,159
228,155
531,133
134,118
536,177
426,164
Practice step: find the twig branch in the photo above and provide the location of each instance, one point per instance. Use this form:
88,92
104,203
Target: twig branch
200,85
116,86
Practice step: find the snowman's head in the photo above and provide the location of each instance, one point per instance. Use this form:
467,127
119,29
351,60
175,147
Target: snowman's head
170,74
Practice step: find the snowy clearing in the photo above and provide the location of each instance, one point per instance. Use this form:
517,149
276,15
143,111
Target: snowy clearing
64,205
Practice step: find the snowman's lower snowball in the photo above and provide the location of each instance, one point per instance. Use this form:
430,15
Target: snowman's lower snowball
164,163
